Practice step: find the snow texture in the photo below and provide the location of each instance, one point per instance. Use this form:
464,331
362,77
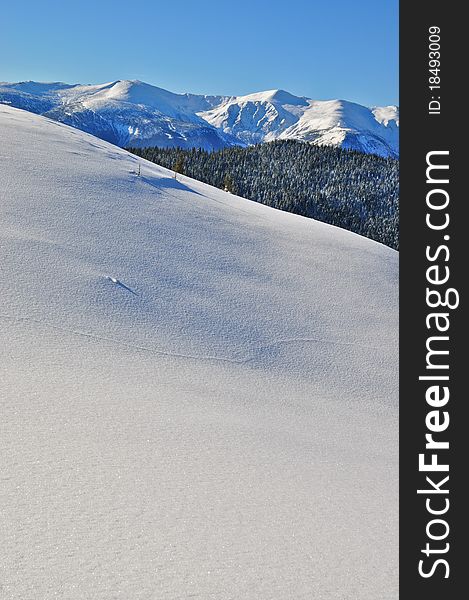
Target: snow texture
133,113
199,393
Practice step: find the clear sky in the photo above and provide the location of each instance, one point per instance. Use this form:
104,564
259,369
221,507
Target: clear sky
316,48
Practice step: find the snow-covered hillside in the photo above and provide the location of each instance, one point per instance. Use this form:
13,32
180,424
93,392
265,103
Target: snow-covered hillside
199,393
138,114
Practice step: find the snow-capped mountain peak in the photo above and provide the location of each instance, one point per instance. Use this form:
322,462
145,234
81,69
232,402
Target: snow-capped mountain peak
274,96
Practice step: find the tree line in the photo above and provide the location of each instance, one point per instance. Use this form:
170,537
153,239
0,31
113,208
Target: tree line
355,191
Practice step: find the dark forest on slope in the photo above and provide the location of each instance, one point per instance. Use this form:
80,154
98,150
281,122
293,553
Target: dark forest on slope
355,191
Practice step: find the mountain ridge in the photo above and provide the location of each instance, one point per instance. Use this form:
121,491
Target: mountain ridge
132,112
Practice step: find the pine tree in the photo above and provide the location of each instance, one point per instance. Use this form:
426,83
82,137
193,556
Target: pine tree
178,166
228,184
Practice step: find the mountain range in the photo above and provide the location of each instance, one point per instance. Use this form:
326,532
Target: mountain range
134,113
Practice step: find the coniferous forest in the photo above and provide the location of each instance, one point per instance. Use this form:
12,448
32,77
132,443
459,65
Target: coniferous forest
355,191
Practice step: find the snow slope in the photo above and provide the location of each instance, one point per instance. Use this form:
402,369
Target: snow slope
199,393
136,113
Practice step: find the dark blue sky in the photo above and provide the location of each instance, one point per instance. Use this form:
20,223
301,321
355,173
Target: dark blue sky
321,49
